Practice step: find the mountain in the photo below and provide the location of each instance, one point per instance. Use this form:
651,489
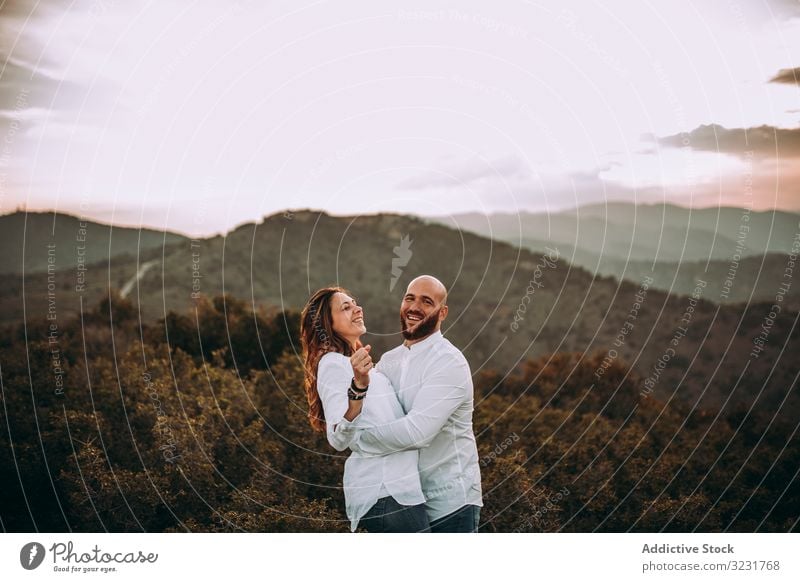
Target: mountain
25,237
507,304
769,231
757,277
672,244
661,232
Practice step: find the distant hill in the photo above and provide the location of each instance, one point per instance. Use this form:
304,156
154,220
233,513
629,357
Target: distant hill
674,245
769,230
757,277
661,232
24,237
558,307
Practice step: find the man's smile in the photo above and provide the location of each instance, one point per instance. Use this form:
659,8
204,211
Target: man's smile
414,317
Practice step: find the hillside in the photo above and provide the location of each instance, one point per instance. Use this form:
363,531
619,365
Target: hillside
558,307
658,232
672,244
756,277
25,236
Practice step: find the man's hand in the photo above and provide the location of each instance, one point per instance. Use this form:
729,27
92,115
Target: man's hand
362,364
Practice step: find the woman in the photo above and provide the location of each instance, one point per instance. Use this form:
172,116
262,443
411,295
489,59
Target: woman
345,392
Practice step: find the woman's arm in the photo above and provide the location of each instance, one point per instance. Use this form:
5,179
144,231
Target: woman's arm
361,362
353,410
341,414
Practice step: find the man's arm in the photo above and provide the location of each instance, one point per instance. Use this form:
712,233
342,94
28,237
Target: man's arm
441,393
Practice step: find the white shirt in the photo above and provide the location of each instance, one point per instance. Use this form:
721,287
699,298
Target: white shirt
366,477
434,385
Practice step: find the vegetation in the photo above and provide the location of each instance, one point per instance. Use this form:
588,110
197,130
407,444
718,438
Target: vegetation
198,423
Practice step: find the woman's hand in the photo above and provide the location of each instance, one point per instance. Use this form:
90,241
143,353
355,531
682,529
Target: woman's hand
362,364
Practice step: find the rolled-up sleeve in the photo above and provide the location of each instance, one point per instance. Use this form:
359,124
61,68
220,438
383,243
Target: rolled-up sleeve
443,390
333,378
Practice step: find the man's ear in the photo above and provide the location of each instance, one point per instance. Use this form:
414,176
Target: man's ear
443,313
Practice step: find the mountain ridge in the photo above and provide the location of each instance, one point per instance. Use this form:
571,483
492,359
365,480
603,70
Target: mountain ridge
280,261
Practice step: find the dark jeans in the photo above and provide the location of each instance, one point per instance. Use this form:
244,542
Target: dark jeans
388,516
463,520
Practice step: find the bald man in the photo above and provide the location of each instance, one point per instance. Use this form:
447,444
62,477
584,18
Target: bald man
434,385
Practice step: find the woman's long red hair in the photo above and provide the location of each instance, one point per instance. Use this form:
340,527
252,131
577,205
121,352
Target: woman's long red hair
317,339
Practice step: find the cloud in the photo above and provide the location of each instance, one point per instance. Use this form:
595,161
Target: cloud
762,141
469,172
787,76
509,183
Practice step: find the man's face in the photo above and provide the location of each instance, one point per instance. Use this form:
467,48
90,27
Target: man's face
421,311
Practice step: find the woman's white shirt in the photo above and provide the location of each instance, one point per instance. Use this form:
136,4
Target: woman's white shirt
366,477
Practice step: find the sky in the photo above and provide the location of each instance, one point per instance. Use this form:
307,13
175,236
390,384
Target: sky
199,116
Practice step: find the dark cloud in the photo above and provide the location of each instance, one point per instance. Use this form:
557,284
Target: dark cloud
39,90
17,15
787,76
762,141
22,85
16,8
31,87
784,9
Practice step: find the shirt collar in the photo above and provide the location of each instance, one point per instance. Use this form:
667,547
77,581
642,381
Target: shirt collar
422,345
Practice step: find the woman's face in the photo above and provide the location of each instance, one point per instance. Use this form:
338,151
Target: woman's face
348,317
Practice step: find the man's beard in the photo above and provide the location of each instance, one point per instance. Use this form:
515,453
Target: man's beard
423,329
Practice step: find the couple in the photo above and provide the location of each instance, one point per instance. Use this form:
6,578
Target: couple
408,421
